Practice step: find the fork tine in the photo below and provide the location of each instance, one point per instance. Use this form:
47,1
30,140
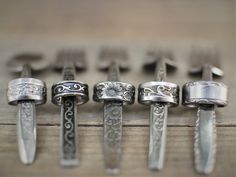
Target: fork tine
153,55
71,55
108,55
201,56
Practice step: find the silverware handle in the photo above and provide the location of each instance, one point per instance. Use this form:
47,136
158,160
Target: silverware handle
157,143
26,131
69,150
205,139
112,136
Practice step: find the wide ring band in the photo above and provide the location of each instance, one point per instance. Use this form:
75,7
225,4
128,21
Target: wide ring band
70,88
162,92
114,91
26,89
205,92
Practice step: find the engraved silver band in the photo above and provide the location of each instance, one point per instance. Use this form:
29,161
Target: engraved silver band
70,88
26,89
114,91
205,92
158,92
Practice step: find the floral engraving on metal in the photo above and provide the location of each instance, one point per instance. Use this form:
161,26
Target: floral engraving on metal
68,130
114,90
113,124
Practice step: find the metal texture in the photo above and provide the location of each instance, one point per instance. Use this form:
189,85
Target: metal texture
206,95
68,94
205,92
158,91
159,95
114,95
26,92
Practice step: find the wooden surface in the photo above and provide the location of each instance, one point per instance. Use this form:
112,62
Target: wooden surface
48,26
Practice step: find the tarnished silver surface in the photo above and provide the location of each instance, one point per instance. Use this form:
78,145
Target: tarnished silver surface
23,89
70,88
112,135
114,91
68,94
206,95
114,95
69,149
159,95
26,92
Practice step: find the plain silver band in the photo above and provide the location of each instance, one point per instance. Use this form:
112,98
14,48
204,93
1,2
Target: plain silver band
205,92
26,89
70,88
158,92
114,91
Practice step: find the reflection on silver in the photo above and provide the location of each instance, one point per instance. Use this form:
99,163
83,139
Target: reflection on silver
68,94
114,95
157,144
206,95
159,95
205,139
26,92
26,131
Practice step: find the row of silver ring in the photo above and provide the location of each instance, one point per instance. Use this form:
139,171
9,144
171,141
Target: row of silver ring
194,93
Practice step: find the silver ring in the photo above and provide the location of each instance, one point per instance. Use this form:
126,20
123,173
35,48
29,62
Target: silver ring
162,92
70,88
114,91
205,92
24,89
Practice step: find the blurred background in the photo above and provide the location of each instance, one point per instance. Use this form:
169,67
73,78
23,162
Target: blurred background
47,26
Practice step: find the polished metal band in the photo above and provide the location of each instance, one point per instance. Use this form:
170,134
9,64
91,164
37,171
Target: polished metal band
158,92
114,91
70,88
205,92
26,89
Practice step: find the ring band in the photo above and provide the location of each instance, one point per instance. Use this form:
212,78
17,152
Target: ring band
26,89
114,91
70,88
205,92
162,92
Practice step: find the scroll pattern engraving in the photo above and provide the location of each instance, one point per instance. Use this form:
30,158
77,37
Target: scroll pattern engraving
68,129
68,87
158,123
159,90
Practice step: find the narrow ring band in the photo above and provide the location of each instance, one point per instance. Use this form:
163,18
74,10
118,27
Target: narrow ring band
70,88
162,92
114,91
26,89
205,92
